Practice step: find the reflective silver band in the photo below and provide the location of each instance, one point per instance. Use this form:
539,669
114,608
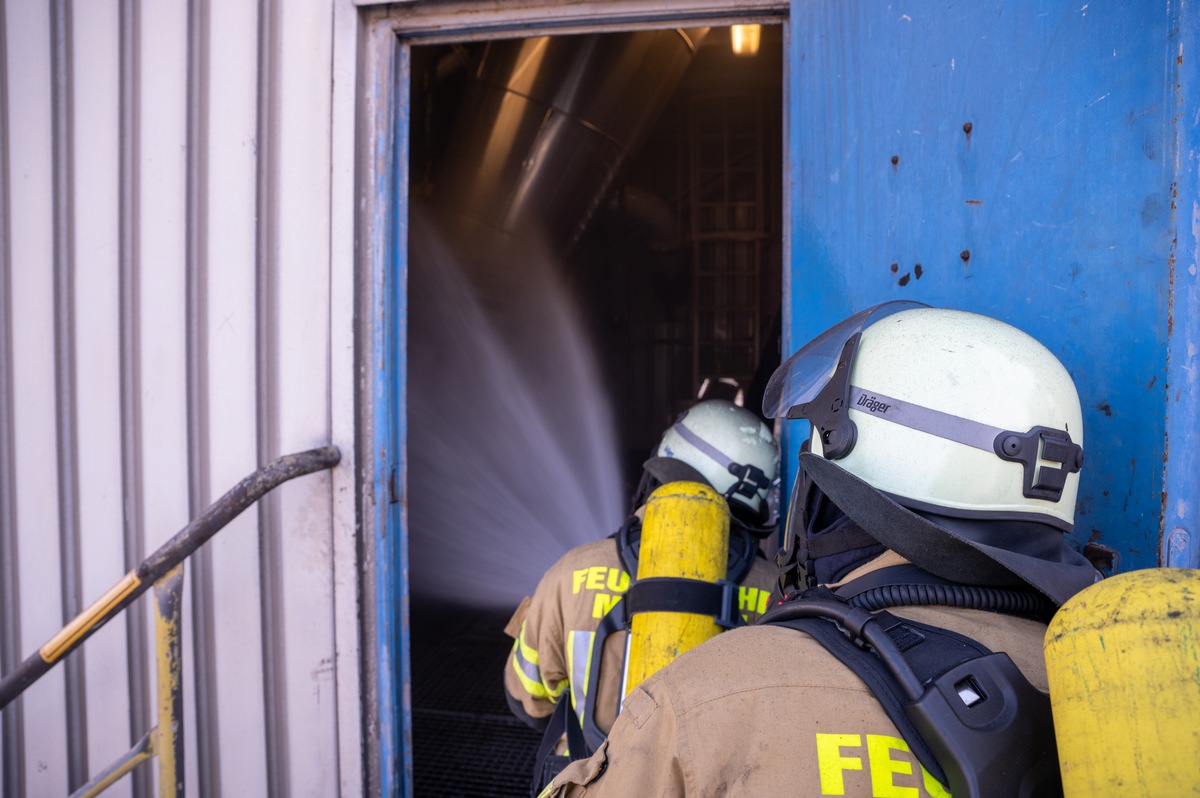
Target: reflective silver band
580,646
713,452
529,669
925,419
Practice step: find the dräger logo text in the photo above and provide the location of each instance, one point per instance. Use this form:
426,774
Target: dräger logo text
872,404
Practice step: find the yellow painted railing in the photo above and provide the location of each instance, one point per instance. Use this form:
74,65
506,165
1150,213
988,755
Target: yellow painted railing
162,570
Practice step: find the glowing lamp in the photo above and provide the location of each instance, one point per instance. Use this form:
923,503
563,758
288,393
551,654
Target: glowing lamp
744,39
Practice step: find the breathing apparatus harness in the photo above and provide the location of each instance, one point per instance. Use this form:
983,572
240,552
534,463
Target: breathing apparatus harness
656,594
968,714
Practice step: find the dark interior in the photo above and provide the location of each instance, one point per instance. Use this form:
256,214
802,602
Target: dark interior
657,203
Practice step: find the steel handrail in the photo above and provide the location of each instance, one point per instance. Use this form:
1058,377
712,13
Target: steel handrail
164,571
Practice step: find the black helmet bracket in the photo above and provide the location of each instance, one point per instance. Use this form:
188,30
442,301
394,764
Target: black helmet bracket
1038,450
751,479
829,410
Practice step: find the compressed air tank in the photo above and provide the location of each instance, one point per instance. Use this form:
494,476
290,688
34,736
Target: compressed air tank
685,533
1123,660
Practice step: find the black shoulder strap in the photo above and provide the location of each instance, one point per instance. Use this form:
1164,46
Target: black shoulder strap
743,548
968,715
546,764
613,620
628,538
935,646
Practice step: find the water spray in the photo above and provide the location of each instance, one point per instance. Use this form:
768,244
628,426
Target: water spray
512,450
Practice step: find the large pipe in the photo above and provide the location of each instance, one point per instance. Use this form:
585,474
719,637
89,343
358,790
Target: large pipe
545,128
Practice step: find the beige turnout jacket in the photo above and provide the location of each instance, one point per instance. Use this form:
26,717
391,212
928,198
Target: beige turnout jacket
766,711
554,630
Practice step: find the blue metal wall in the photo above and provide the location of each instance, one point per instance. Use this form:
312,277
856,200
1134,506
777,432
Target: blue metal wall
1028,161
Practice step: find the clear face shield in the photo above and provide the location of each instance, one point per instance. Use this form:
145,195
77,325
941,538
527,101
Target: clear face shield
814,384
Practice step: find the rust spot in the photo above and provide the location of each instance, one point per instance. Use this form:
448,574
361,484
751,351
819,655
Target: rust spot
904,279
895,268
1171,276
1105,408
895,160
965,255
974,202
918,271
967,126
1100,556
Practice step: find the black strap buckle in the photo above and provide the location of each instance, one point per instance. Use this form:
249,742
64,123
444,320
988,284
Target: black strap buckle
1038,450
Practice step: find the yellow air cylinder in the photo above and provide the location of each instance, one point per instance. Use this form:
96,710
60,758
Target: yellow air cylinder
1123,660
685,533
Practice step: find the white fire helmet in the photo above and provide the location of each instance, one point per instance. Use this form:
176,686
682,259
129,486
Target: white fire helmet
731,447
944,411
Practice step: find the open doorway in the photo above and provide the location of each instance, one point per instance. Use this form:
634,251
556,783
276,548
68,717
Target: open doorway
596,236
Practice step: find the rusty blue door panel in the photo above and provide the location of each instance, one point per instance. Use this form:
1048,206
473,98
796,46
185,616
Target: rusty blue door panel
1031,161
383,297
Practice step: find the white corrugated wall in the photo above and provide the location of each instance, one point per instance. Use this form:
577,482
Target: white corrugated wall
176,309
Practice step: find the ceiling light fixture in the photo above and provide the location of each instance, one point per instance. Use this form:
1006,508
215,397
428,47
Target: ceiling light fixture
744,39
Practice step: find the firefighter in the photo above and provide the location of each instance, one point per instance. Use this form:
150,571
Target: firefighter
937,484
715,443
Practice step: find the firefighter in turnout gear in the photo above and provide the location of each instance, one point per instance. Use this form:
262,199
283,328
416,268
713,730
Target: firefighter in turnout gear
714,443
923,555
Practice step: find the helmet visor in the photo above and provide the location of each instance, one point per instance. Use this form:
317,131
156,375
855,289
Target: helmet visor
805,373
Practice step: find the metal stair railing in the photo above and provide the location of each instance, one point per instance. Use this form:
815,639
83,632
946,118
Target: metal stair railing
162,570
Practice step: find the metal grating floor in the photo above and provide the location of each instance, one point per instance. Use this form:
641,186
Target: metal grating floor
465,740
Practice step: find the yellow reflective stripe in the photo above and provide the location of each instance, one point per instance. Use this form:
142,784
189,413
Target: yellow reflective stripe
527,672
525,664
528,652
579,655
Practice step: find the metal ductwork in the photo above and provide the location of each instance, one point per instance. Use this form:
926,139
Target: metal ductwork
545,128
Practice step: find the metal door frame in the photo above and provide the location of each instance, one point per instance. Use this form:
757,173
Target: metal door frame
387,34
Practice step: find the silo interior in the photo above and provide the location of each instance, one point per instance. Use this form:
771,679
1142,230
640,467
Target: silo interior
594,241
